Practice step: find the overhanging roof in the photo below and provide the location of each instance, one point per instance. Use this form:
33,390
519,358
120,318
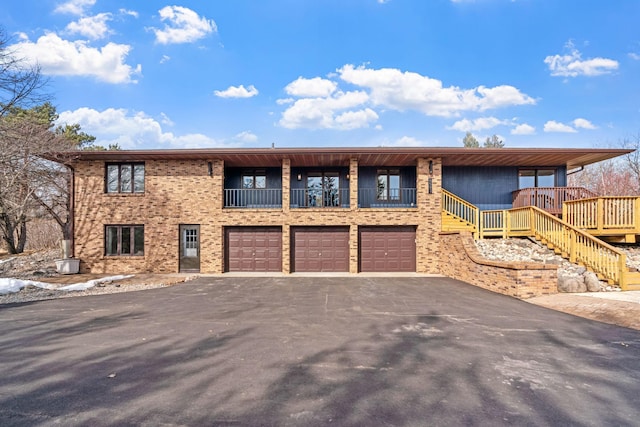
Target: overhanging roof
375,156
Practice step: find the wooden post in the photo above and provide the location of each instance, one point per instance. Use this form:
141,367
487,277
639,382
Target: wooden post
572,246
600,215
622,266
506,223
636,215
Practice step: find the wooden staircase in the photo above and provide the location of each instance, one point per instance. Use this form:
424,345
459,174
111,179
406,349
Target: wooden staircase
458,214
452,222
576,245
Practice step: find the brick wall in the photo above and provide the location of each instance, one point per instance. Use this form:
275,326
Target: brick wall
461,260
183,192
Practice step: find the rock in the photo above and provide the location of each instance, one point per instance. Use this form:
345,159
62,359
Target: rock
571,284
592,282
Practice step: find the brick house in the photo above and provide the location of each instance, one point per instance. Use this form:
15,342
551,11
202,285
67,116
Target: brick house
291,209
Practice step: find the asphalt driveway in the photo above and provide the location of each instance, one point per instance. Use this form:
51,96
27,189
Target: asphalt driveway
313,352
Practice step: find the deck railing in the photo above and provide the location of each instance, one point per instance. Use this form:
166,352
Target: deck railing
576,245
460,208
604,215
392,198
549,199
331,198
262,198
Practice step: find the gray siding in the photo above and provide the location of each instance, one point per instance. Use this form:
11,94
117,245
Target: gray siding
489,187
233,177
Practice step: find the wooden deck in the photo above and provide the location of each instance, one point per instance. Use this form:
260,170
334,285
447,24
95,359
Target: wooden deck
549,199
571,242
612,218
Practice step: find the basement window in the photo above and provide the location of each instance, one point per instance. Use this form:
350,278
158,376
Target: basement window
125,240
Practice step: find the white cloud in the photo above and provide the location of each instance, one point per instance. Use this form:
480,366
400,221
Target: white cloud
355,119
164,59
75,58
634,56
408,141
166,120
553,126
523,129
466,125
572,64
334,112
322,105
94,27
237,92
182,25
315,87
397,90
584,124
131,130
128,12
74,7
246,136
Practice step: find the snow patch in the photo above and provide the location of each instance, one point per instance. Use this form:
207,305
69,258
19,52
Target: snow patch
9,285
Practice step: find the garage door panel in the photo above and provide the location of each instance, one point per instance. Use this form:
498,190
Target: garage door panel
253,249
387,249
320,249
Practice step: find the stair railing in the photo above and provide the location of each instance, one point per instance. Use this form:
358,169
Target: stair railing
461,209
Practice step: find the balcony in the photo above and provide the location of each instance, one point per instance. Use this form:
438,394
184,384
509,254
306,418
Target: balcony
319,198
391,198
253,198
549,199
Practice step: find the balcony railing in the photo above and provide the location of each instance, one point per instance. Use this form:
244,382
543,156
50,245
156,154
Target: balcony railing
549,199
315,198
261,198
392,198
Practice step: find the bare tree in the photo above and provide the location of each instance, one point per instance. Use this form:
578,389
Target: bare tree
607,178
632,159
22,139
21,83
493,142
21,86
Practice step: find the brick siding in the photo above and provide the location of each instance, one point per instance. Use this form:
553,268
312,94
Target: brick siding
183,192
461,260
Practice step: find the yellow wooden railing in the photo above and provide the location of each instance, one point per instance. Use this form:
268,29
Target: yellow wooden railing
576,245
461,209
604,215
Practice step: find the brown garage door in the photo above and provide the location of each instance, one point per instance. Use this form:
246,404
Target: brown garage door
253,249
387,249
319,249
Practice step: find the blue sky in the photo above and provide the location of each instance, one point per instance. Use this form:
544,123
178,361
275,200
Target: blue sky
249,73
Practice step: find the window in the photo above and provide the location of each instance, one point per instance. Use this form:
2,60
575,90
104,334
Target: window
257,179
536,178
388,184
323,189
124,240
125,178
